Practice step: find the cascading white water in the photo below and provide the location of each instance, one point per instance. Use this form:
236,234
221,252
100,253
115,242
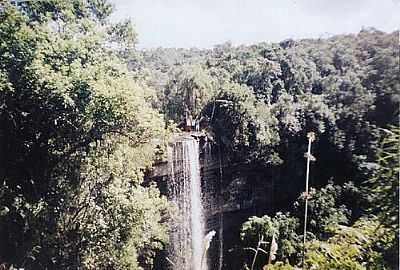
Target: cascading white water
186,250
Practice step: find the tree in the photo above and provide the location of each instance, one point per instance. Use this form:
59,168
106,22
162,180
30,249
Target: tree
257,233
382,190
245,127
79,131
355,247
188,91
326,208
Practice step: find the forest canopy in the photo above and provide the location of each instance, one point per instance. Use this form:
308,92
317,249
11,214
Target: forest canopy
261,103
77,132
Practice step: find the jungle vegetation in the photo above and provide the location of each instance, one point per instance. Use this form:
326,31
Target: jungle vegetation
84,114
259,102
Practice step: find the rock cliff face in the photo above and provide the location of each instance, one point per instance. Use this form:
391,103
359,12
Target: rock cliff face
232,193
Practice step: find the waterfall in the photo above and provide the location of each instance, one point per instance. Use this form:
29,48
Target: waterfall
187,250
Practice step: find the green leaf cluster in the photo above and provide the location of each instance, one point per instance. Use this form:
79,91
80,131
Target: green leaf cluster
78,132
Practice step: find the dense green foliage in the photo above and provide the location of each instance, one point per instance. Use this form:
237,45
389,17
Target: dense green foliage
357,247
77,132
262,101
329,206
189,89
259,102
335,239
383,187
260,230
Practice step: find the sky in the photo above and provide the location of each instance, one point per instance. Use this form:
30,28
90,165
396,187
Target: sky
205,23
